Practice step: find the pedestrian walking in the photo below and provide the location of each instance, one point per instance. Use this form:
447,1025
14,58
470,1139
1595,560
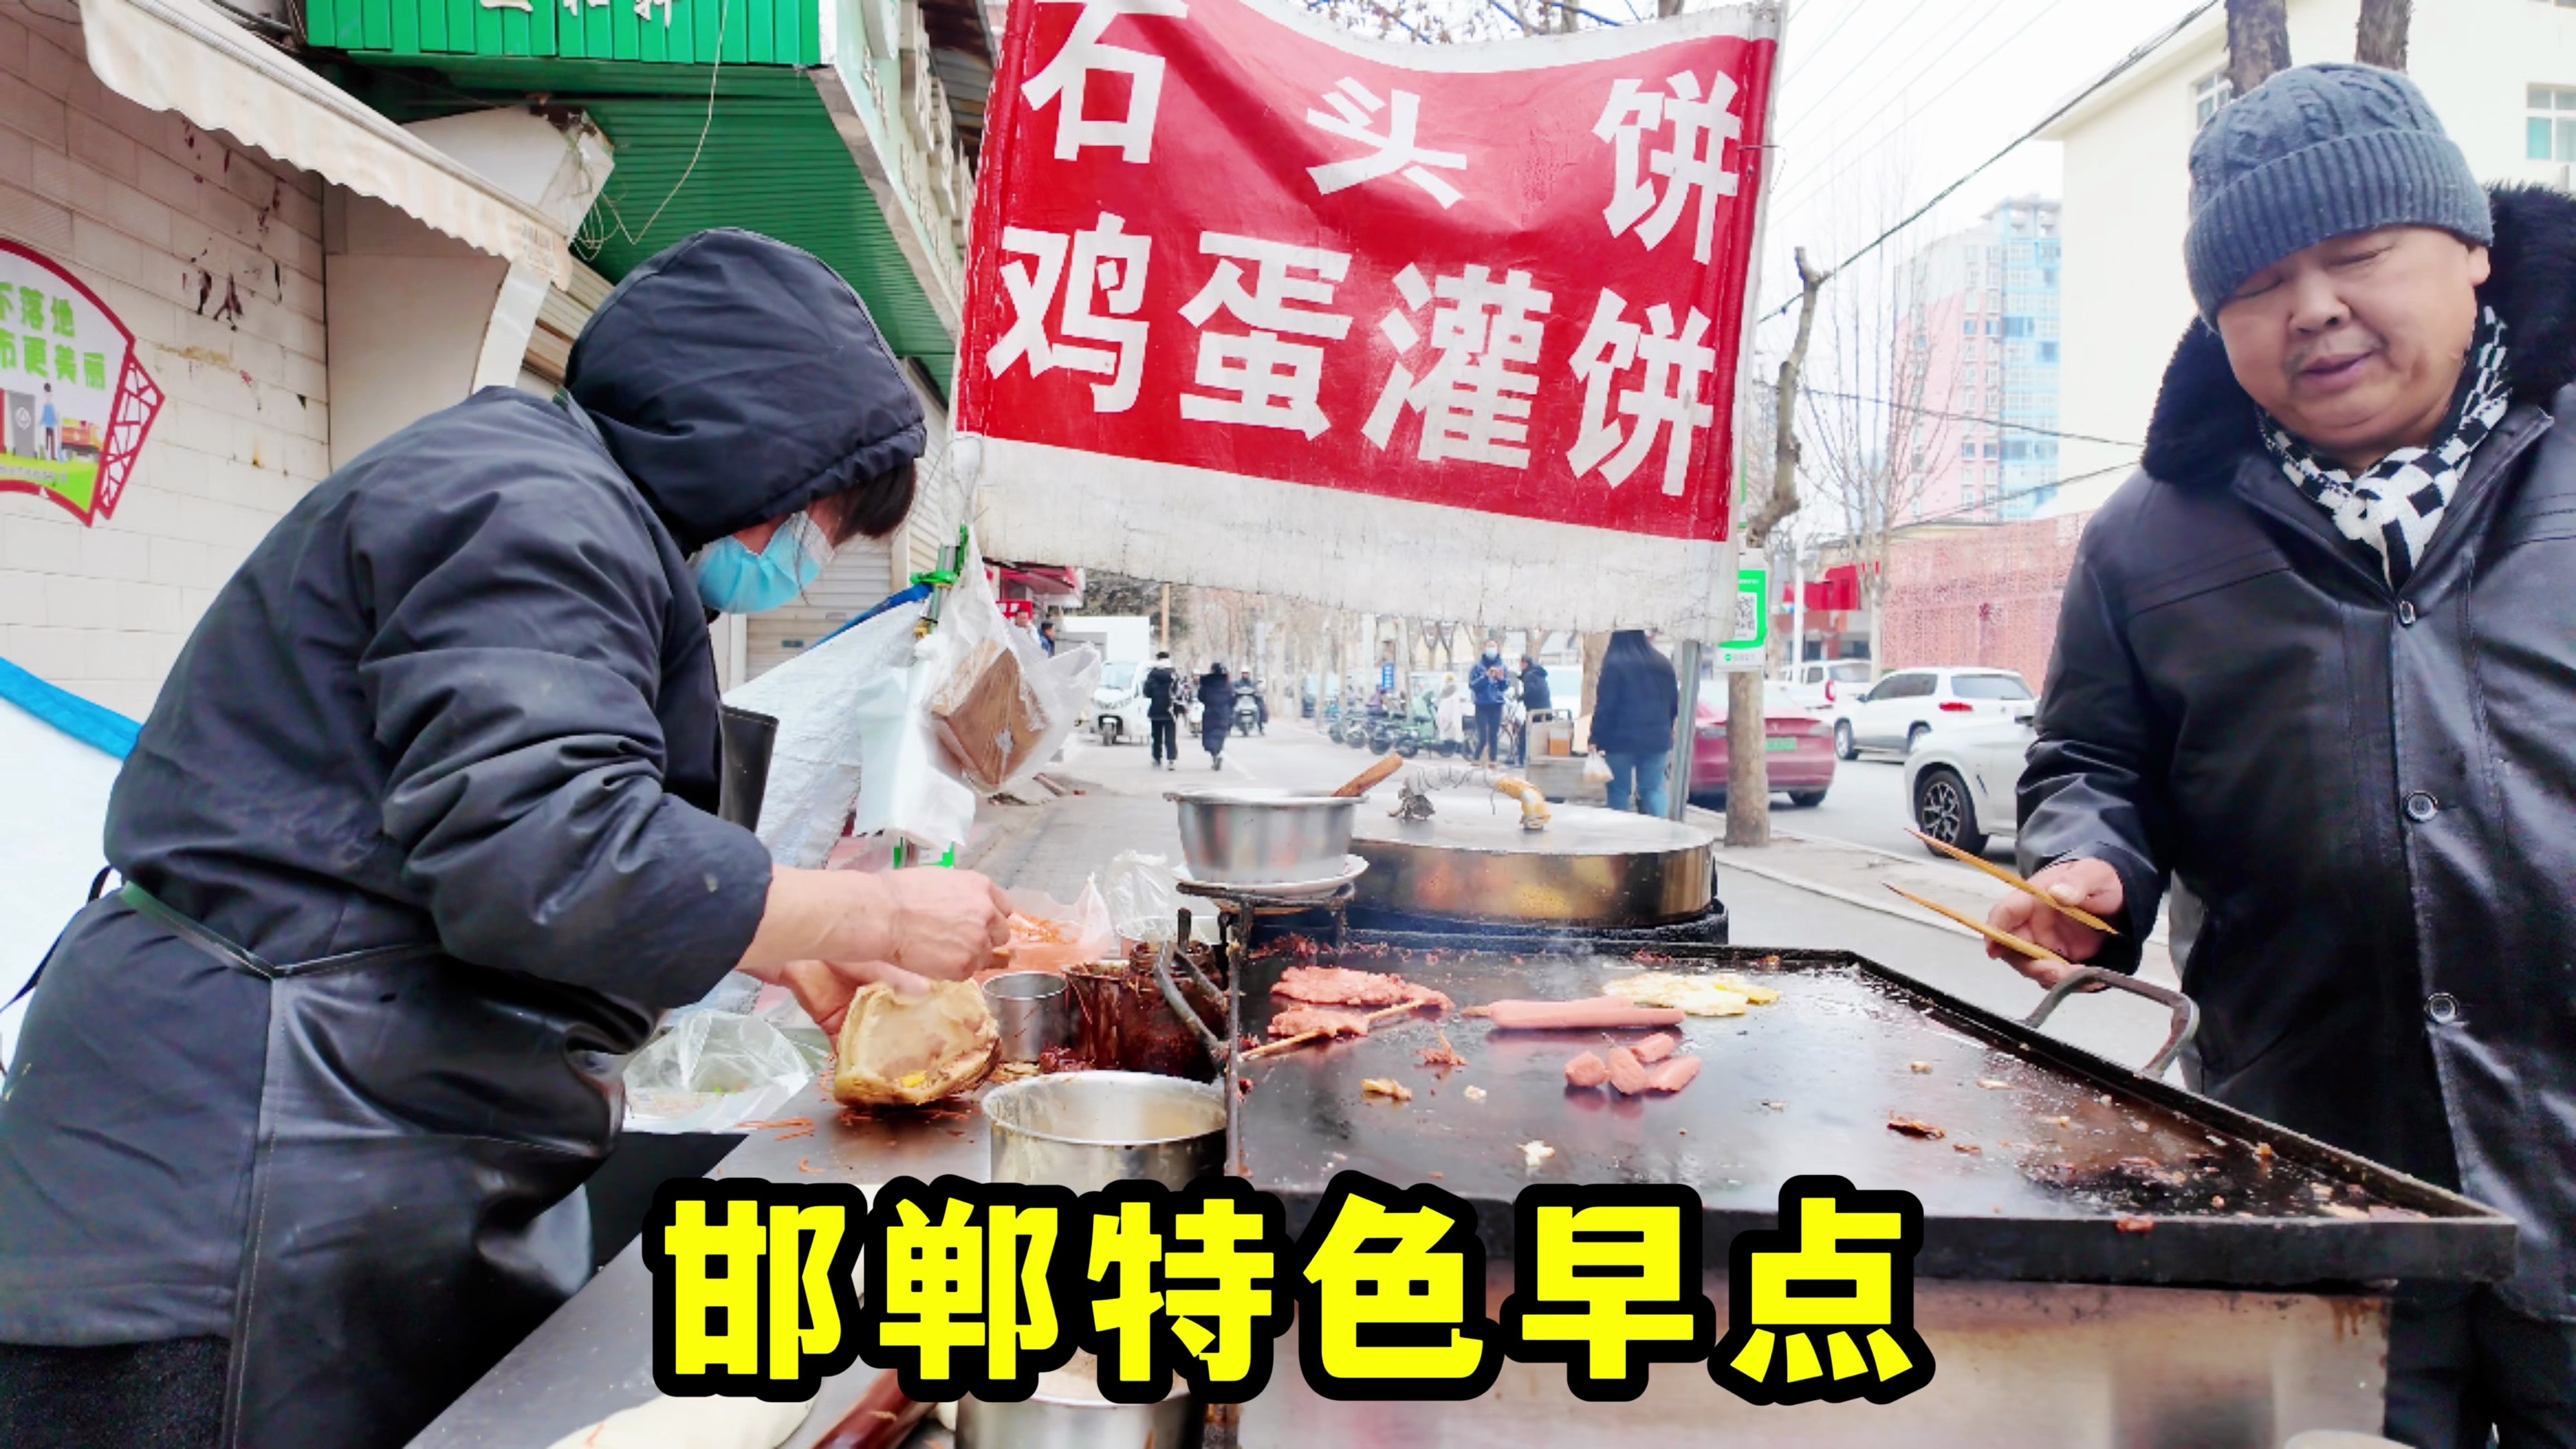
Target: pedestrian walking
1162,710
1632,720
1537,703
2315,664
1216,712
1449,711
1490,685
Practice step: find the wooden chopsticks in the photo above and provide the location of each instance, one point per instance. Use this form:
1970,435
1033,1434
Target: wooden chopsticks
2005,939
2072,913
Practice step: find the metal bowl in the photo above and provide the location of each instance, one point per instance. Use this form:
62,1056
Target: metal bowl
1264,837
1047,1421
1086,1130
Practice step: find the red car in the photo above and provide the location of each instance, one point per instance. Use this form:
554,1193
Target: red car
1800,742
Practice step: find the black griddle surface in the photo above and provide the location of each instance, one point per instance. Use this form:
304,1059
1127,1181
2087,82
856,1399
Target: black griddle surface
2080,1169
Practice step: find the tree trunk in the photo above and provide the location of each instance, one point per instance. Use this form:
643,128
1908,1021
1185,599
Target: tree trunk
2381,37
1748,791
1748,760
2258,42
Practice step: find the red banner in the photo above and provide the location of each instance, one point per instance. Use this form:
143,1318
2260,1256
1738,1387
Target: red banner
1238,276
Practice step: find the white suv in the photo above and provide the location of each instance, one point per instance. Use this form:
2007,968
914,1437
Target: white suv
1826,685
1908,704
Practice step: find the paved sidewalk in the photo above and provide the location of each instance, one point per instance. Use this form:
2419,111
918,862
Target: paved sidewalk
1860,876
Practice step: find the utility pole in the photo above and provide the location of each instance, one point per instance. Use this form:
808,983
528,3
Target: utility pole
1167,618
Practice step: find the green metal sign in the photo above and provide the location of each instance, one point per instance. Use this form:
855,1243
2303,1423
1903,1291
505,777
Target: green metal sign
1752,639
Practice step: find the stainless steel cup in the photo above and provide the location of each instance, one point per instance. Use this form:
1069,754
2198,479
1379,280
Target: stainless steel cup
1086,1130
1032,1010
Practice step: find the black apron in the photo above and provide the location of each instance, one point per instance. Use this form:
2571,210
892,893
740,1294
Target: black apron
413,1199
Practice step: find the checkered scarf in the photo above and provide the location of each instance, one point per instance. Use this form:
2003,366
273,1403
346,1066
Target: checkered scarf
2395,506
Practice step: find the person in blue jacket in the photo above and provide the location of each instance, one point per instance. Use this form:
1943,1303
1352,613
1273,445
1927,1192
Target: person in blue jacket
1639,699
1490,685
417,844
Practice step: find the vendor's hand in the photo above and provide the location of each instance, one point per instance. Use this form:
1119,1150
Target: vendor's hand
944,924
927,922
825,988
2086,885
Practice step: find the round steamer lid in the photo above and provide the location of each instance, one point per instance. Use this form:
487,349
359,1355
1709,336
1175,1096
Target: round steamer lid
1590,867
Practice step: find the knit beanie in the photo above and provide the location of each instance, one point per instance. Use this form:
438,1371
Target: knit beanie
2314,153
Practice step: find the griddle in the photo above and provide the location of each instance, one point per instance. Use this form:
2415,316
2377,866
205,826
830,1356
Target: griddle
2143,1183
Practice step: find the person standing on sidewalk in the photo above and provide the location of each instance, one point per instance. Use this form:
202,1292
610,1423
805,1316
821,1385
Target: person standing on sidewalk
1162,705
1490,685
1632,721
2316,664
1216,712
1537,702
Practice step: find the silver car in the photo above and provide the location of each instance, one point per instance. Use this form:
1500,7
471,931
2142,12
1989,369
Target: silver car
1959,781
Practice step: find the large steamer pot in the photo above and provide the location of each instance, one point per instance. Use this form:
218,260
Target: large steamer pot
1589,869
1086,1130
1264,837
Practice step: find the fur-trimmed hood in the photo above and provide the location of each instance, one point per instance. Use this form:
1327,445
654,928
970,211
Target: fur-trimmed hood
2204,421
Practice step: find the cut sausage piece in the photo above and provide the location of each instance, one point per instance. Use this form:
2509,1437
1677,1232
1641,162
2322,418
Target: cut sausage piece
1627,1074
1586,1070
1673,1075
1657,1047
1595,1013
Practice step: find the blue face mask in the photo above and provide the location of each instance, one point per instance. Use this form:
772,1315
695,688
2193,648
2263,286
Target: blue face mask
734,580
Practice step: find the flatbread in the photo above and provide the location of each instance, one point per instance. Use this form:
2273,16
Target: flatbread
908,1051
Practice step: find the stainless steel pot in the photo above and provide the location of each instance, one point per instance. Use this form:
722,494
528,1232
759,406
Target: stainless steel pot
1043,1421
1264,837
1086,1130
1591,868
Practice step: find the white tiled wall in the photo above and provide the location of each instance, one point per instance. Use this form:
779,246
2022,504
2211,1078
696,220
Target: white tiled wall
148,212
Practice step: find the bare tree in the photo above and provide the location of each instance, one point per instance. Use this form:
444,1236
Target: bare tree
1884,421
1748,762
2380,38
2258,42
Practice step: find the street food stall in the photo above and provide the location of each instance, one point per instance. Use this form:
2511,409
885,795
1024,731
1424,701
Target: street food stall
2106,1258
1439,979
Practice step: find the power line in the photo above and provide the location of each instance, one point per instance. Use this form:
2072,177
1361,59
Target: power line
1856,156
2126,64
1825,40
1985,503
1817,110
1884,36
1992,422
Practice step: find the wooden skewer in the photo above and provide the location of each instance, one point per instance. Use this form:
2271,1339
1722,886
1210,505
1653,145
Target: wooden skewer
2005,939
2072,913
1303,1037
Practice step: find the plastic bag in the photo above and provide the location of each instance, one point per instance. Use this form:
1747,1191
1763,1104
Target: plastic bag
1144,899
906,785
1058,687
818,766
1596,768
1058,935
712,1070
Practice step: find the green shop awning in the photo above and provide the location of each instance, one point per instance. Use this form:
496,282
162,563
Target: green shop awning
715,108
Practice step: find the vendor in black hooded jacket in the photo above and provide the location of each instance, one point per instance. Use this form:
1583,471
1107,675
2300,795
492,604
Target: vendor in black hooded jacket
2317,661
417,843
